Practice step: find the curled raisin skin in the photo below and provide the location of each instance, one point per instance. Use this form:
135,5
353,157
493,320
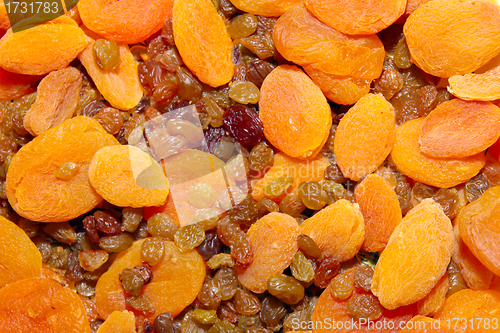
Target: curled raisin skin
364,306
326,271
363,277
243,123
106,223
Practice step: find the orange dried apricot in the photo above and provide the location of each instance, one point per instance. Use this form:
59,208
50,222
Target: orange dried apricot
416,256
422,324
177,279
43,306
460,128
126,176
339,89
300,170
56,101
125,21
269,8
304,40
357,17
470,28
41,49
434,300
118,322
467,304
13,85
365,136
381,212
32,188
338,230
4,19
19,256
274,243
479,226
295,113
203,41
477,87
121,86
473,271
412,5
439,172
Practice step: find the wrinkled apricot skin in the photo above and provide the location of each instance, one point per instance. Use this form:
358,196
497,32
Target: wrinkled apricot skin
13,85
439,172
422,324
477,87
479,226
269,8
338,230
357,17
125,21
381,212
415,258
295,113
312,170
121,86
203,41
41,305
128,177
412,5
41,49
177,279
365,136
466,33
460,128
274,243
56,101
19,257
434,300
31,186
303,39
119,322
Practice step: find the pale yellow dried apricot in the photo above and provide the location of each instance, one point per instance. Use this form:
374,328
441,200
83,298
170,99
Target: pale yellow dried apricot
476,87
415,258
434,300
338,230
357,17
439,172
381,212
269,8
459,128
57,98
295,113
41,49
32,187
203,41
365,136
466,33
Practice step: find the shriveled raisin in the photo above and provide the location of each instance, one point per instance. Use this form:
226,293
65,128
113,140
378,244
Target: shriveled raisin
140,303
257,71
131,218
211,245
107,223
448,199
110,119
333,190
302,268
226,280
244,92
244,213
189,236
292,205
205,317
63,232
107,54
312,195
341,286
402,57
152,250
246,303
389,83
428,99
285,288
243,123
189,87
227,312
90,260
308,246
456,280
475,187
67,171
164,323
364,306
209,295
326,271
273,310
89,223
278,186
363,277
260,156
266,205
162,225
117,243
132,281
242,26
231,234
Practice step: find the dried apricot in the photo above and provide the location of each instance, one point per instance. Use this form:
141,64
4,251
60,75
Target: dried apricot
19,256
13,85
56,100
41,49
365,136
4,19
479,227
357,17
121,86
295,113
440,172
119,322
476,87
33,189
338,230
473,271
128,177
434,300
125,21
203,41
416,256
274,242
412,5
168,291
422,324
304,40
471,26
381,212
269,8
460,128
41,305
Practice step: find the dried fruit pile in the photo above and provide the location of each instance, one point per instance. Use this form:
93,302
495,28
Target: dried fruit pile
229,166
